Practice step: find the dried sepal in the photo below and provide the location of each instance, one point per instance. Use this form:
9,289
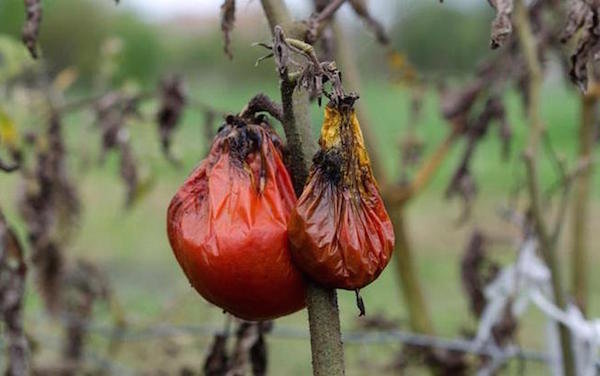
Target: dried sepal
173,99
12,289
227,24
31,27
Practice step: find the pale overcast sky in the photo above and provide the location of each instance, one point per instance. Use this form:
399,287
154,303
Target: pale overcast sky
160,9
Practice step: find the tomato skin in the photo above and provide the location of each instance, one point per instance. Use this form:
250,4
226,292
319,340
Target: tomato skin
231,240
340,233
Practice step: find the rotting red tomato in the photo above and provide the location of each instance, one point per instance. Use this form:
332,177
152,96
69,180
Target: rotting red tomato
340,233
227,225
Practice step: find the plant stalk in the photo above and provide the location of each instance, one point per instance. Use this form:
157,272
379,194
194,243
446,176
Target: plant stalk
323,314
418,312
581,202
548,248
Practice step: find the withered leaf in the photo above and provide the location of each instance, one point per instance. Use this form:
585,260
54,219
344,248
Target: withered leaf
227,24
501,25
173,99
579,13
582,16
459,102
477,270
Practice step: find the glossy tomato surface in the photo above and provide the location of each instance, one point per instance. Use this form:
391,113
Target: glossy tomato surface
227,226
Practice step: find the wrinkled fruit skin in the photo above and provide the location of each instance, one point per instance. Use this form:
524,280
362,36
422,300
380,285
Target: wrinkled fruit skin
227,226
340,232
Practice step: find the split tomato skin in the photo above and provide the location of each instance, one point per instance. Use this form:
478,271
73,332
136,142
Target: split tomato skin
340,233
227,226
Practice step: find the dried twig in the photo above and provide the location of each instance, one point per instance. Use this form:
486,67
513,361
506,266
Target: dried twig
361,9
529,49
227,24
31,27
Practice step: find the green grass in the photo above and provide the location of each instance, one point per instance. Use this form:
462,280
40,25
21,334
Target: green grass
132,247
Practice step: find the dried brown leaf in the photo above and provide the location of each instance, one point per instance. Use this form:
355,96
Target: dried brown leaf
582,20
227,24
502,24
173,99
477,270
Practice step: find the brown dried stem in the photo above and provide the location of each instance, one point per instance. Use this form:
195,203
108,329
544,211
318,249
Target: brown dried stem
323,315
262,103
548,249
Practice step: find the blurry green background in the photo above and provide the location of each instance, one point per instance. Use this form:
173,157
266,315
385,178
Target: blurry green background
441,40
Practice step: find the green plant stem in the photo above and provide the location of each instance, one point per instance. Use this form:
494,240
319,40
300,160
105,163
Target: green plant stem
418,312
581,203
323,314
548,248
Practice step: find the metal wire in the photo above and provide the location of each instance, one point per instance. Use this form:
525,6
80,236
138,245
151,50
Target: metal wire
355,337
349,337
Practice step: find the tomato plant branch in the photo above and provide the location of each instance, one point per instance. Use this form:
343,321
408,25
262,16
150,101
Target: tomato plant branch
400,195
548,249
581,202
323,314
262,103
318,21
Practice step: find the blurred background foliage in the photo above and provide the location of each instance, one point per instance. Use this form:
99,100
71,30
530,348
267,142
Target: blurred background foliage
73,31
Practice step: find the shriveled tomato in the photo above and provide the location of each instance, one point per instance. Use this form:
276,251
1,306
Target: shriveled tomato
340,232
227,225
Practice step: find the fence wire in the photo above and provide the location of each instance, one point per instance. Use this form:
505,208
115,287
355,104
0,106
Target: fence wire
352,337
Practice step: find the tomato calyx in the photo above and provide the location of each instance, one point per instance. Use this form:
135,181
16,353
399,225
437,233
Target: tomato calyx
244,138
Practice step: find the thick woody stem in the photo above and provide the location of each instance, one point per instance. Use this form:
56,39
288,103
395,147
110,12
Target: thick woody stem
323,314
548,249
